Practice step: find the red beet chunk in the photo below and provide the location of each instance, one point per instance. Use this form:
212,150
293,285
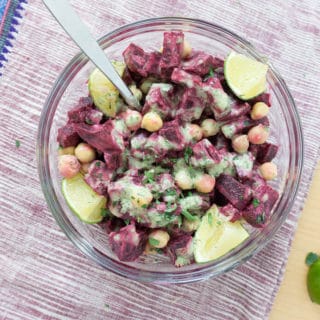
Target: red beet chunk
237,193
152,66
172,50
182,77
112,225
68,136
204,149
113,160
172,132
238,109
135,59
258,212
191,105
99,177
231,212
221,142
158,100
263,97
200,63
103,137
264,152
128,243
180,249
79,113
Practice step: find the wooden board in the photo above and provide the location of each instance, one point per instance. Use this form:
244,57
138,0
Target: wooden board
292,301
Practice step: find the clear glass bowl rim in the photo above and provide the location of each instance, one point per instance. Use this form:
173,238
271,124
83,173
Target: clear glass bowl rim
180,276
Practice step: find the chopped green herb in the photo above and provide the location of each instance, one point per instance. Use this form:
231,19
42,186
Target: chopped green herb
18,143
168,216
188,215
144,206
187,154
158,250
105,212
157,201
219,223
98,164
311,258
211,72
171,192
190,194
88,121
255,202
149,177
127,221
171,207
132,197
154,242
260,218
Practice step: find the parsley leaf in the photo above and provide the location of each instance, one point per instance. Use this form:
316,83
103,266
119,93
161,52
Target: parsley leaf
188,215
105,212
311,258
260,218
171,192
187,154
127,221
255,202
144,206
18,143
211,72
154,242
149,177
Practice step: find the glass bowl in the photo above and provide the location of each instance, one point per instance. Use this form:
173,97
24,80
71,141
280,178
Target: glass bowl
92,240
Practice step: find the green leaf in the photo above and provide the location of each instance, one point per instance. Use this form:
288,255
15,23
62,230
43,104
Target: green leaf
260,218
171,192
255,202
211,72
18,143
149,177
311,258
127,221
188,215
187,154
153,242
105,212
144,206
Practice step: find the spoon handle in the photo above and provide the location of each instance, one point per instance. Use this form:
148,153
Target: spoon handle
79,33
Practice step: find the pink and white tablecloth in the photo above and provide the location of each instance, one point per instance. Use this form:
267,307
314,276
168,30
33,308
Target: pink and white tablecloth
42,276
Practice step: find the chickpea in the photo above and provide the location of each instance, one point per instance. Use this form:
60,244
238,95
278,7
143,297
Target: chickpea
68,165
140,197
209,127
186,49
240,143
84,152
85,167
136,92
195,131
190,226
259,110
132,119
183,180
268,171
204,183
159,239
258,134
151,121
68,150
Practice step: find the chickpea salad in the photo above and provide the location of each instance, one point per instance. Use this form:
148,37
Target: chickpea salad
187,173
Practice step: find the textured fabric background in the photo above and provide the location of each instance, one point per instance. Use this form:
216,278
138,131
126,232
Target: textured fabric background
42,276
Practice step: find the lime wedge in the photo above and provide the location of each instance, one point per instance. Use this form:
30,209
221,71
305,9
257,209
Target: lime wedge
216,236
104,94
246,77
82,200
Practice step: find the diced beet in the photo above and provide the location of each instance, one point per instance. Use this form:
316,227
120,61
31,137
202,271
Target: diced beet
172,51
113,159
191,106
231,212
221,142
263,97
256,180
244,165
158,100
152,66
171,131
135,58
204,153
180,250
98,177
127,77
242,125
68,136
238,109
128,243
85,113
182,77
219,199
264,152
237,193
200,63
103,137
259,210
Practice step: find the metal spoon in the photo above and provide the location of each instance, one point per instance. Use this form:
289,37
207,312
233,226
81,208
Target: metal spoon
79,33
